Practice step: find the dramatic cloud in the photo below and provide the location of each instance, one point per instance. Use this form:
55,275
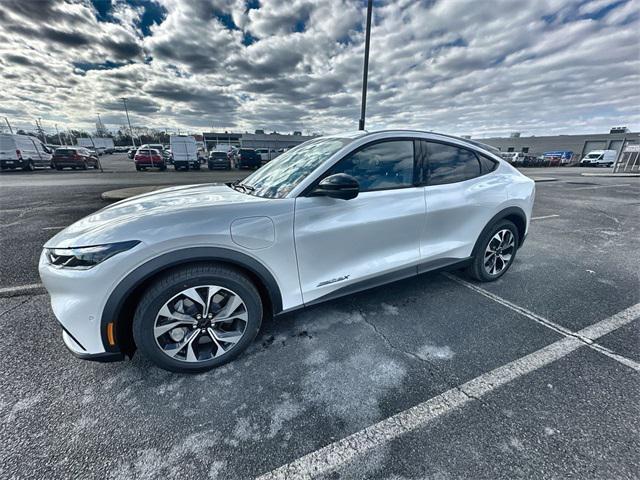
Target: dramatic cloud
458,66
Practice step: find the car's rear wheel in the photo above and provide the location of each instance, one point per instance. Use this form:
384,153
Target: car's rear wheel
196,318
495,252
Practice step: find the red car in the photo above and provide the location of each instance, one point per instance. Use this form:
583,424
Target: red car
149,158
74,157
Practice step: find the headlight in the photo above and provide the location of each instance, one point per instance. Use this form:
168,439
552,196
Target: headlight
82,258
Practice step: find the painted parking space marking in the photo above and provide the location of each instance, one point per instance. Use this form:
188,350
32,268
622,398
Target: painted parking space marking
586,339
20,290
331,457
543,217
54,228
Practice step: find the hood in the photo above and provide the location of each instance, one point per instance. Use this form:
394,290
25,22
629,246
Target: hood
104,225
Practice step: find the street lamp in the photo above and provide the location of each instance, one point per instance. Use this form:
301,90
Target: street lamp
365,72
124,100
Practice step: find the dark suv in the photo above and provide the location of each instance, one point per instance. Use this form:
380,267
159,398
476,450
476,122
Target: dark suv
248,158
74,157
219,160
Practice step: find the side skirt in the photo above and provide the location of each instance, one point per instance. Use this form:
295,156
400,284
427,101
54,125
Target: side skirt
430,266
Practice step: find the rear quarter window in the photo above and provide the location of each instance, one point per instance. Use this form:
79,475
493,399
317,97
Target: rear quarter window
487,165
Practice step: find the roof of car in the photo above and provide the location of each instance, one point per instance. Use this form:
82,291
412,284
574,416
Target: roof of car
361,133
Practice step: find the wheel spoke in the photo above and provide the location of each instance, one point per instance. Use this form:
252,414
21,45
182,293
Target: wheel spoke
191,355
183,317
229,309
193,295
211,292
227,337
162,329
172,352
219,349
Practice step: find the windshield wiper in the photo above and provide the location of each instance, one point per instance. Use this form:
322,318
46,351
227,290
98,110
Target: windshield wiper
241,187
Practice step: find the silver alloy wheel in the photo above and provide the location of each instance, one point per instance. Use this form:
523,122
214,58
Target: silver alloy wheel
200,323
499,252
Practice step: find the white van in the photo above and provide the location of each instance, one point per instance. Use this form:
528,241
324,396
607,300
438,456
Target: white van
23,151
184,152
599,157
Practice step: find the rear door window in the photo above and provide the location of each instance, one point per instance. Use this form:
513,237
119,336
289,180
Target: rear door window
449,164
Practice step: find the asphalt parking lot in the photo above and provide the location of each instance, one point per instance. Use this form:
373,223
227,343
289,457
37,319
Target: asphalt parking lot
536,375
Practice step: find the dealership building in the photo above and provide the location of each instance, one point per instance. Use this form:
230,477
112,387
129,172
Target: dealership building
274,141
580,145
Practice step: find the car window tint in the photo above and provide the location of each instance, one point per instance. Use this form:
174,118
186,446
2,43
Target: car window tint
486,164
380,166
449,164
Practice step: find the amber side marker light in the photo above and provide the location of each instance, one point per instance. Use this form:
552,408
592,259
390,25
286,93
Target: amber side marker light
111,338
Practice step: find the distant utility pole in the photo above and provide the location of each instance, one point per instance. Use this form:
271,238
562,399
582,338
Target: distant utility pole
41,131
8,125
124,100
365,72
59,137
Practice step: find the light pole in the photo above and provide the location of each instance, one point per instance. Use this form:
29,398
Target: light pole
124,100
365,72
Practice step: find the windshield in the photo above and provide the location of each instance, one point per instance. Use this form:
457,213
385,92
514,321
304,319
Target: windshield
278,177
593,155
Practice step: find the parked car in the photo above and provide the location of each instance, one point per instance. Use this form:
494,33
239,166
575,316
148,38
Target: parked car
219,160
247,158
186,274
23,151
184,152
132,153
266,154
596,158
74,157
149,158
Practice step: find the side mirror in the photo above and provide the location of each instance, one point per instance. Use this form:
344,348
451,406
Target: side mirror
340,185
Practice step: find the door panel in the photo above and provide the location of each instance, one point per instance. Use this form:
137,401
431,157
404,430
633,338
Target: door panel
459,200
457,213
342,242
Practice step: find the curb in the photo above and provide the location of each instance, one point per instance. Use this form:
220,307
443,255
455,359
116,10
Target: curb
543,179
123,193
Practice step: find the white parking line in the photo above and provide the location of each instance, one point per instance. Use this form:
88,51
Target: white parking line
333,456
600,186
544,216
14,291
54,228
586,339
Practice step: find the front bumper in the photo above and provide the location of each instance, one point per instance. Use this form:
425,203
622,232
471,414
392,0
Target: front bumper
78,298
78,351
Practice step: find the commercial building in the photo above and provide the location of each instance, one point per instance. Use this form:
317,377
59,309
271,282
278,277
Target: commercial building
580,145
273,141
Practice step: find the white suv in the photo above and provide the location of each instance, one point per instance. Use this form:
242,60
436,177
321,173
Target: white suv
186,274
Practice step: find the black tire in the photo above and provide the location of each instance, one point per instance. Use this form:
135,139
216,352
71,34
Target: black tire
138,168
477,270
175,281
85,166
29,167
57,167
163,168
196,166
210,167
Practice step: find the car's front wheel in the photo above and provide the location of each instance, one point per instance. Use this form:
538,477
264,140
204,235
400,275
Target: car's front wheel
196,318
495,252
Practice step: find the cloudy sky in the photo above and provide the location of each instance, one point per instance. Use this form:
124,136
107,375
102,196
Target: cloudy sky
478,67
